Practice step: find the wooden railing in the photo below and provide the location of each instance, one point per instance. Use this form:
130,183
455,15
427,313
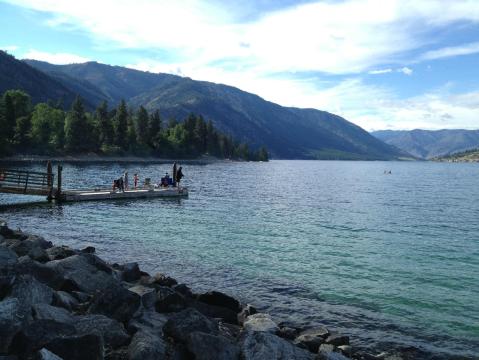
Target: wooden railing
26,182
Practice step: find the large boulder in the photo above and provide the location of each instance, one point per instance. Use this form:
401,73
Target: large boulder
149,320
8,258
214,311
187,321
261,322
130,272
77,347
111,331
65,300
37,334
146,345
42,272
211,347
115,302
328,352
34,247
60,252
312,338
168,300
48,312
263,345
29,292
337,340
161,280
245,312
146,294
11,320
217,298
88,273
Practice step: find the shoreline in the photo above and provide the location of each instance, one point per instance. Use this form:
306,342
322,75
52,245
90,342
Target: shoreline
140,315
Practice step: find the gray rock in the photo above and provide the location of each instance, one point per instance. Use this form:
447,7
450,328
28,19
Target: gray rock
131,272
327,352
29,292
60,252
184,290
169,300
11,320
48,312
87,273
217,298
37,334
34,246
312,339
111,331
88,250
260,322
337,340
77,347
65,300
346,350
42,272
245,312
263,345
229,331
115,302
211,347
8,258
149,320
146,345
287,332
187,321
39,241
146,294
213,311
81,296
163,280
44,354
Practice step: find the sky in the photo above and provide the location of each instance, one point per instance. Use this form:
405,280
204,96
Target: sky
381,64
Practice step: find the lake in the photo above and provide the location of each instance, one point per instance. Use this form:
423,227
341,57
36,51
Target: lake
389,259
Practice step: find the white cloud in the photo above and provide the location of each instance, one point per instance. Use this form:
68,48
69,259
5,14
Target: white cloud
378,72
55,58
405,70
465,49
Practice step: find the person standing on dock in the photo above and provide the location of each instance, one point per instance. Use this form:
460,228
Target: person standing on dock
125,180
174,173
135,180
179,175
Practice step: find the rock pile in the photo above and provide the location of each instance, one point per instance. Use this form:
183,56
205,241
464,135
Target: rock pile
61,303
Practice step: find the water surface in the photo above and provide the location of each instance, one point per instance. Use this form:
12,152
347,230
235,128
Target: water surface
387,259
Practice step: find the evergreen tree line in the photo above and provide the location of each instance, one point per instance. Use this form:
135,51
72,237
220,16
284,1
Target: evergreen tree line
46,129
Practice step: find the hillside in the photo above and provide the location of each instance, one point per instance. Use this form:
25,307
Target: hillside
465,156
286,132
16,74
427,144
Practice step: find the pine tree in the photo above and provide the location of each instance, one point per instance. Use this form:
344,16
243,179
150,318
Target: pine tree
9,116
105,126
263,154
142,126
121,126
77,130
154,129
131,132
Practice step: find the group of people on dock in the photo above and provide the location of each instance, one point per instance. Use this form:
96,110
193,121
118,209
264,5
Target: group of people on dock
122,183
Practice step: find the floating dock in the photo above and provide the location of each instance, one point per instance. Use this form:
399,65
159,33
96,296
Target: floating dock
42,184
92,195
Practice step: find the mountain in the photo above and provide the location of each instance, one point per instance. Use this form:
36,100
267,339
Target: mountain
16,74
287,132
426,144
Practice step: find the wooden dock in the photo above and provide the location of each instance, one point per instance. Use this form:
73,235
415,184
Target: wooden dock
42,184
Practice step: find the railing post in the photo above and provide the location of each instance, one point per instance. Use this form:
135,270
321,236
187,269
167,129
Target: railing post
49,181
58,195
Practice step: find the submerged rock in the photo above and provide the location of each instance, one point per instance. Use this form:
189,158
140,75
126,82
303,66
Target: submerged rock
263,345
219,299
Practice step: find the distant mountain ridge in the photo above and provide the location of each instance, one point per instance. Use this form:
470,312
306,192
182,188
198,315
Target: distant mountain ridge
287,132
428,144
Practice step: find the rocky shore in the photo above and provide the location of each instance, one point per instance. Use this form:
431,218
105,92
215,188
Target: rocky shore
61,303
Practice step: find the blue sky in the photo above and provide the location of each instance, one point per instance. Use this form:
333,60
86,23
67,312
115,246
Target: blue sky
382,64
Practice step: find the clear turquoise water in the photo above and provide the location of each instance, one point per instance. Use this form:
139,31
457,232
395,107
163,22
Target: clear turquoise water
387,259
